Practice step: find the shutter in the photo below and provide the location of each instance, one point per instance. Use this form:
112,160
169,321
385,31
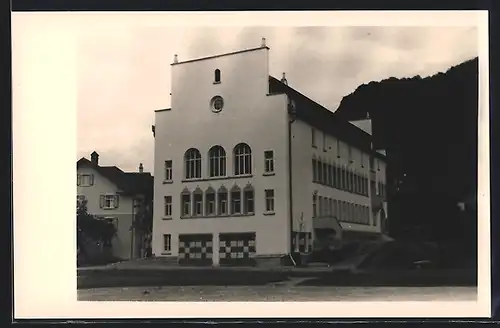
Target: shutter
101,202
117,199
91,179
78,179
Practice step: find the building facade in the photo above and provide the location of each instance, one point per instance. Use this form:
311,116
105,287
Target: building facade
117,197
243,166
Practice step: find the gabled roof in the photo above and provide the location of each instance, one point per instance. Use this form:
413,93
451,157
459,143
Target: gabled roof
132,183
323,119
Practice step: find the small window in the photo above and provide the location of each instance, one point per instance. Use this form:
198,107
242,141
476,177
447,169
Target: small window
248,199
198,202
168,170
109,201
210,201
186,203
168,206
313,137
222,201
217,76
269,194
269,161
167,243
85,180
235,201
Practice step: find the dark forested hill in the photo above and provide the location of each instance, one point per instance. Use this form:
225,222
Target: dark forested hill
428,127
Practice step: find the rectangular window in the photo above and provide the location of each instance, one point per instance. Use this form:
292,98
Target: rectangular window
248,200
320,210
167,243
315,170
326,173
222,203
168,206
343,183
324,141
186,204
198,204
314,206
313,137
236,202
168,170
210,199
109,201
269,194
269,161
85,180
320,172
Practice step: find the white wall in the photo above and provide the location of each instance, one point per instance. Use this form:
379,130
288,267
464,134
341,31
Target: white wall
249,115
123,214
303,186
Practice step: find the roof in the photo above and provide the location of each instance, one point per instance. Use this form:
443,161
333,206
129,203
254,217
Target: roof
132,183
323,119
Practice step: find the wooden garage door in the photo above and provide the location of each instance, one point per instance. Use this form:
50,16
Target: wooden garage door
196,249
237,249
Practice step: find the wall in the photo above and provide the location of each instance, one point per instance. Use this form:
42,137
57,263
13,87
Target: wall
123,214
303,186
249,115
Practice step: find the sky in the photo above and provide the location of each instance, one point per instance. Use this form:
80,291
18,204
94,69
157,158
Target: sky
124,73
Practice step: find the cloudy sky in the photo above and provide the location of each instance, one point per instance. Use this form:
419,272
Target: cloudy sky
124,73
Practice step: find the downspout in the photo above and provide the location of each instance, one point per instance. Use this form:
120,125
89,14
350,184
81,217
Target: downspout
132,230
291,119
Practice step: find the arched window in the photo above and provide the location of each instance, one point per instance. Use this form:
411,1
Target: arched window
248,200
222,201
217,75
210,201
185,203
217,161
235,200
197,202
242,159
192,159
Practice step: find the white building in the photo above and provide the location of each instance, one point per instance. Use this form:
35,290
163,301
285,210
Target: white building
116,196
247,168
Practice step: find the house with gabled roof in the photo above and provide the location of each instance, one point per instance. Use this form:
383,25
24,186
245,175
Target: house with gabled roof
117,196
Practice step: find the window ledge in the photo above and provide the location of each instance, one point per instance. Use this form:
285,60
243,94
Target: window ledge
219,178
269,213
268,174
166,253
314,146
167,181
166,218
215,82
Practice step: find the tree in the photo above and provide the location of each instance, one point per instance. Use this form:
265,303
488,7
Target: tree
93,228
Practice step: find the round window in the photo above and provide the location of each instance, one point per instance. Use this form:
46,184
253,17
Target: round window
217,103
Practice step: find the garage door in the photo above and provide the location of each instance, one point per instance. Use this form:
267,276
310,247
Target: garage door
195,249
237,249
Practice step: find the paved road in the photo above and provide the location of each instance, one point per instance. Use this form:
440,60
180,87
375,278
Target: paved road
278,292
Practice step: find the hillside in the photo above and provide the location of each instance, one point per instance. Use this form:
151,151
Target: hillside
428,127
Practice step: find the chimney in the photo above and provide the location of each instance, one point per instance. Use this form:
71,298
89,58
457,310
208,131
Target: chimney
284,80
141,168
176,60
94,158
263,44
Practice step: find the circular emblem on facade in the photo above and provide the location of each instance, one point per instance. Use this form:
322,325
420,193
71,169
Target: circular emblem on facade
217,103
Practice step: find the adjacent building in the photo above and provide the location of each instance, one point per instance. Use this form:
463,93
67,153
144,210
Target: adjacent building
249,169
116,196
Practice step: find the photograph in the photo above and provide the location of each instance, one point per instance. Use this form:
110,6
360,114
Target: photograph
246,161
